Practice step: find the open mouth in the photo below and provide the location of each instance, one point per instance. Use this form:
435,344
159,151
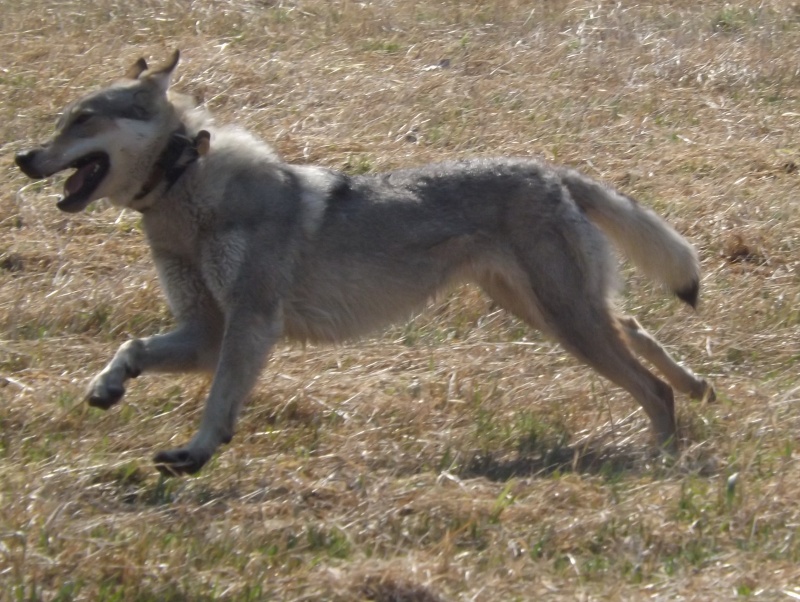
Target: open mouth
78,189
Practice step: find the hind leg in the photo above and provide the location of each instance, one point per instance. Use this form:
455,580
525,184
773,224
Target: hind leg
683,379
585,326
603,348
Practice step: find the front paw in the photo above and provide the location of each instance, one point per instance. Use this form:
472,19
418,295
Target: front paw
102,394
176,462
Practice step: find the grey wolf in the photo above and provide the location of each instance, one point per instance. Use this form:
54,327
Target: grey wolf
249,249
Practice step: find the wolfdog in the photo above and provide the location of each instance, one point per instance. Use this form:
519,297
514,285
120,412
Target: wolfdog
249,249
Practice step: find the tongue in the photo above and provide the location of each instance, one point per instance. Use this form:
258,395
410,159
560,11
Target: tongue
75,182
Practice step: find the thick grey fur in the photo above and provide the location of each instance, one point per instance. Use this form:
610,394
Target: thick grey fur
250,249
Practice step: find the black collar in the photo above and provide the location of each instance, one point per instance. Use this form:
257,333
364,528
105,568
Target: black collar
179,153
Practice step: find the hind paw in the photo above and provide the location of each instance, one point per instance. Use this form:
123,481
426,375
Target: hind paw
703,391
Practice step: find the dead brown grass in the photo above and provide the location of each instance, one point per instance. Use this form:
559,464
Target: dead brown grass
459,457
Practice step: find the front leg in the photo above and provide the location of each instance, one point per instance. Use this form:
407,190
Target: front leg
248,339
192,347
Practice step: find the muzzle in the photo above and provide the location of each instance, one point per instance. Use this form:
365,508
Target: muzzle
25,161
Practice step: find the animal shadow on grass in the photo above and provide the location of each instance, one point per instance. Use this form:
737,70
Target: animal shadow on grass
600,457
594,459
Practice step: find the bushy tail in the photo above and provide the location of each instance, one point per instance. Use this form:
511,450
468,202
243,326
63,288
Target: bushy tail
646,239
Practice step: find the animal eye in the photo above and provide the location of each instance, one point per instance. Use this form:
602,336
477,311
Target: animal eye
81,118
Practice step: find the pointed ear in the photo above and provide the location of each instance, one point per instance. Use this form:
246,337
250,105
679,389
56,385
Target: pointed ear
136,69
161,75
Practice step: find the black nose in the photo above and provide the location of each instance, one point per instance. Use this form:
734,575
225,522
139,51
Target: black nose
24,161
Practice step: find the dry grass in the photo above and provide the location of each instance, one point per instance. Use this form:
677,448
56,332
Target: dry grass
459,457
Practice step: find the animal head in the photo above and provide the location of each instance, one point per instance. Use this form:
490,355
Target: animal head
112,138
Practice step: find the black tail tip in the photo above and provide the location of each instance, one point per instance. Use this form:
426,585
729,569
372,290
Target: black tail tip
690,294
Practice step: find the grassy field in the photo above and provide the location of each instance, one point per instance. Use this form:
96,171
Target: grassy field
459,457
